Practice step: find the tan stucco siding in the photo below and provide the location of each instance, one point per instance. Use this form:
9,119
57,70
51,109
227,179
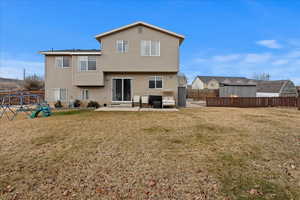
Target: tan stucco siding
112,61
56,77
140,86
114,64
140,83
87,78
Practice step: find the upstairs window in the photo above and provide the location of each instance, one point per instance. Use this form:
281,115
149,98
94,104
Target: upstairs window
122,46
62,61
87,63
150,48
155,82
84,94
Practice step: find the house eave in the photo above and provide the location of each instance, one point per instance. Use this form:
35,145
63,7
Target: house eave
99,36
68,53
138,71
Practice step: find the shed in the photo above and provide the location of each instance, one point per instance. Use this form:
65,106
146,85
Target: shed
278,88
237,90
182,89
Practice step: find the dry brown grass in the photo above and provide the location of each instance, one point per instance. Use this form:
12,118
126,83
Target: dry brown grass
200,153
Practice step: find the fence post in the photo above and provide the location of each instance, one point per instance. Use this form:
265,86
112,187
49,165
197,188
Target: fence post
9,97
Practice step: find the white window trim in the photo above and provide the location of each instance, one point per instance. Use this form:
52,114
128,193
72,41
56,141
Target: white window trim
86,59
59,94
83,94
55,94
158,48
62,62
150,50
124,50
155,78
57,60
122,89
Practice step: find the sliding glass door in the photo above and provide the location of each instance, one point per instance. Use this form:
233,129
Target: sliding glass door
121,89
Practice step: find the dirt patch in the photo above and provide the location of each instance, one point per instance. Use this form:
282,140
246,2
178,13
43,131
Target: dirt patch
157,129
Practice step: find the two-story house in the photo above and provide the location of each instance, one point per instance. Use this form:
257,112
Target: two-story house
137,59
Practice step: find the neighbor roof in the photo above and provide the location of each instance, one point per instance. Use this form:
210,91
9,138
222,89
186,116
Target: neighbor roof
220,79
239,84
71,51
181,37
271,86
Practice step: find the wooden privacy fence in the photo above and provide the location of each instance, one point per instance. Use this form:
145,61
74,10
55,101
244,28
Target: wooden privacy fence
246,102
28,97
197,94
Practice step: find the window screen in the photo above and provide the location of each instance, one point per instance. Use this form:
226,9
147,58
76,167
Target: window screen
92,63
87,63
122,46
155,82
150,48
66,61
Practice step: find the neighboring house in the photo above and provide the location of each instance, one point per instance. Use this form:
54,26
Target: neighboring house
237,90
243,87
137,59
213,82
279,88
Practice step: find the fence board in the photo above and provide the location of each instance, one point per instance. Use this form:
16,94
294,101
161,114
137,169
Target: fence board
246,102
197,94
13,97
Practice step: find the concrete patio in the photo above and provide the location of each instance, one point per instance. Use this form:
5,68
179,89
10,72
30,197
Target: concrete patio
136,109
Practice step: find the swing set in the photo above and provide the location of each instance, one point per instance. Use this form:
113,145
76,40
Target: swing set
12,104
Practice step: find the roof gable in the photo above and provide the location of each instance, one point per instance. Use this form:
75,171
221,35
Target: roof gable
271,86
180,37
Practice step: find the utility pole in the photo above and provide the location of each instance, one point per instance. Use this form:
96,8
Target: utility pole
24,74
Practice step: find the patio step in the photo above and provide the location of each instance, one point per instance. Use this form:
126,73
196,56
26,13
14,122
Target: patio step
122,105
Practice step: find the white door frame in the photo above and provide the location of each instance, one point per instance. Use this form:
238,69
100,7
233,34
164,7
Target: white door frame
131,89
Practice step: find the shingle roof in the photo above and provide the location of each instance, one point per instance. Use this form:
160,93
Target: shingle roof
239,84
181,37
224,79
262,86
71,51
271,86
74,50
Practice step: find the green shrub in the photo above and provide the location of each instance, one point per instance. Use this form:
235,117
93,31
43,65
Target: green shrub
58,104
76,103
93,104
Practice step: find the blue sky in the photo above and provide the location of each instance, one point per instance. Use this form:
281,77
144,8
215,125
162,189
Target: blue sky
232,37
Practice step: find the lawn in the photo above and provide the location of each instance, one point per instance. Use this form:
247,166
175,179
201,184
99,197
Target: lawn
200,153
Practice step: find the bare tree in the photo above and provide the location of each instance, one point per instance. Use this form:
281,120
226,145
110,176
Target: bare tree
34,82
262,76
